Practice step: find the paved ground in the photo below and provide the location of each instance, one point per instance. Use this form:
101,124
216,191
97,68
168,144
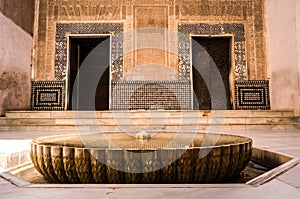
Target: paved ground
286,185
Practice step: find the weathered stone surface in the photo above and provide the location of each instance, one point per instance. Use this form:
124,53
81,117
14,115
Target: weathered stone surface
283,37
15,60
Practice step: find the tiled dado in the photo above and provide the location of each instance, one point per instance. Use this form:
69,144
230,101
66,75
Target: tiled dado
61,45
252,94
48,95
166,95
184,46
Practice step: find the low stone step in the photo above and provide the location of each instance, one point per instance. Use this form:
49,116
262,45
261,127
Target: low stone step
3,121
147,114
141,119
101,114
13,157
150,121
116,128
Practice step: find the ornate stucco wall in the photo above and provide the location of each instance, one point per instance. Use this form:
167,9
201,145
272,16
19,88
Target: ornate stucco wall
134,14
162,52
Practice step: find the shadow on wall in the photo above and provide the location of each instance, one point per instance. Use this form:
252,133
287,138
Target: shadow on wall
20,11
16,22
14,90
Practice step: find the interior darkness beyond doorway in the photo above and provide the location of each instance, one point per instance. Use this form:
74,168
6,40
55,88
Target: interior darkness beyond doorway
208,52
89,73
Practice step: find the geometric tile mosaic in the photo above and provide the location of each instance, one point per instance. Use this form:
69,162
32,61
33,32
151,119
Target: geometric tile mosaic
252,95
48,95
184,46
61,45
151,95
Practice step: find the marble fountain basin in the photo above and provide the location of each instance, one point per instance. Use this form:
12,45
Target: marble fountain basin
131,158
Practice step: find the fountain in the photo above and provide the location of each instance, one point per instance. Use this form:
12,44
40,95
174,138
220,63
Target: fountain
143,158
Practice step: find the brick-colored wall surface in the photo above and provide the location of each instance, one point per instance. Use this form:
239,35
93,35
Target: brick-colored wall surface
20,11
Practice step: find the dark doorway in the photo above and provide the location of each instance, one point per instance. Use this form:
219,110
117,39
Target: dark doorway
89,73
210,54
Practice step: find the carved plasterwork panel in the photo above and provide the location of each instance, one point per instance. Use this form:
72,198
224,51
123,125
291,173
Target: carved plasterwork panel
151,39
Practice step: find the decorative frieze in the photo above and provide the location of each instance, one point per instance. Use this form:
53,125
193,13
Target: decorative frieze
88,9
98,11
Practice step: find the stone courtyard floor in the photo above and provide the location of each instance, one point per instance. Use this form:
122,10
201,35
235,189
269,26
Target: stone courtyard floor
286,185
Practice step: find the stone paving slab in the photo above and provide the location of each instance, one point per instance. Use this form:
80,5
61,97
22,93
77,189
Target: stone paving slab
274,189
292,177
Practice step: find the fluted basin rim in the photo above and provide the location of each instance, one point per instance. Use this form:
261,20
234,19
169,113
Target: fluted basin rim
79,141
